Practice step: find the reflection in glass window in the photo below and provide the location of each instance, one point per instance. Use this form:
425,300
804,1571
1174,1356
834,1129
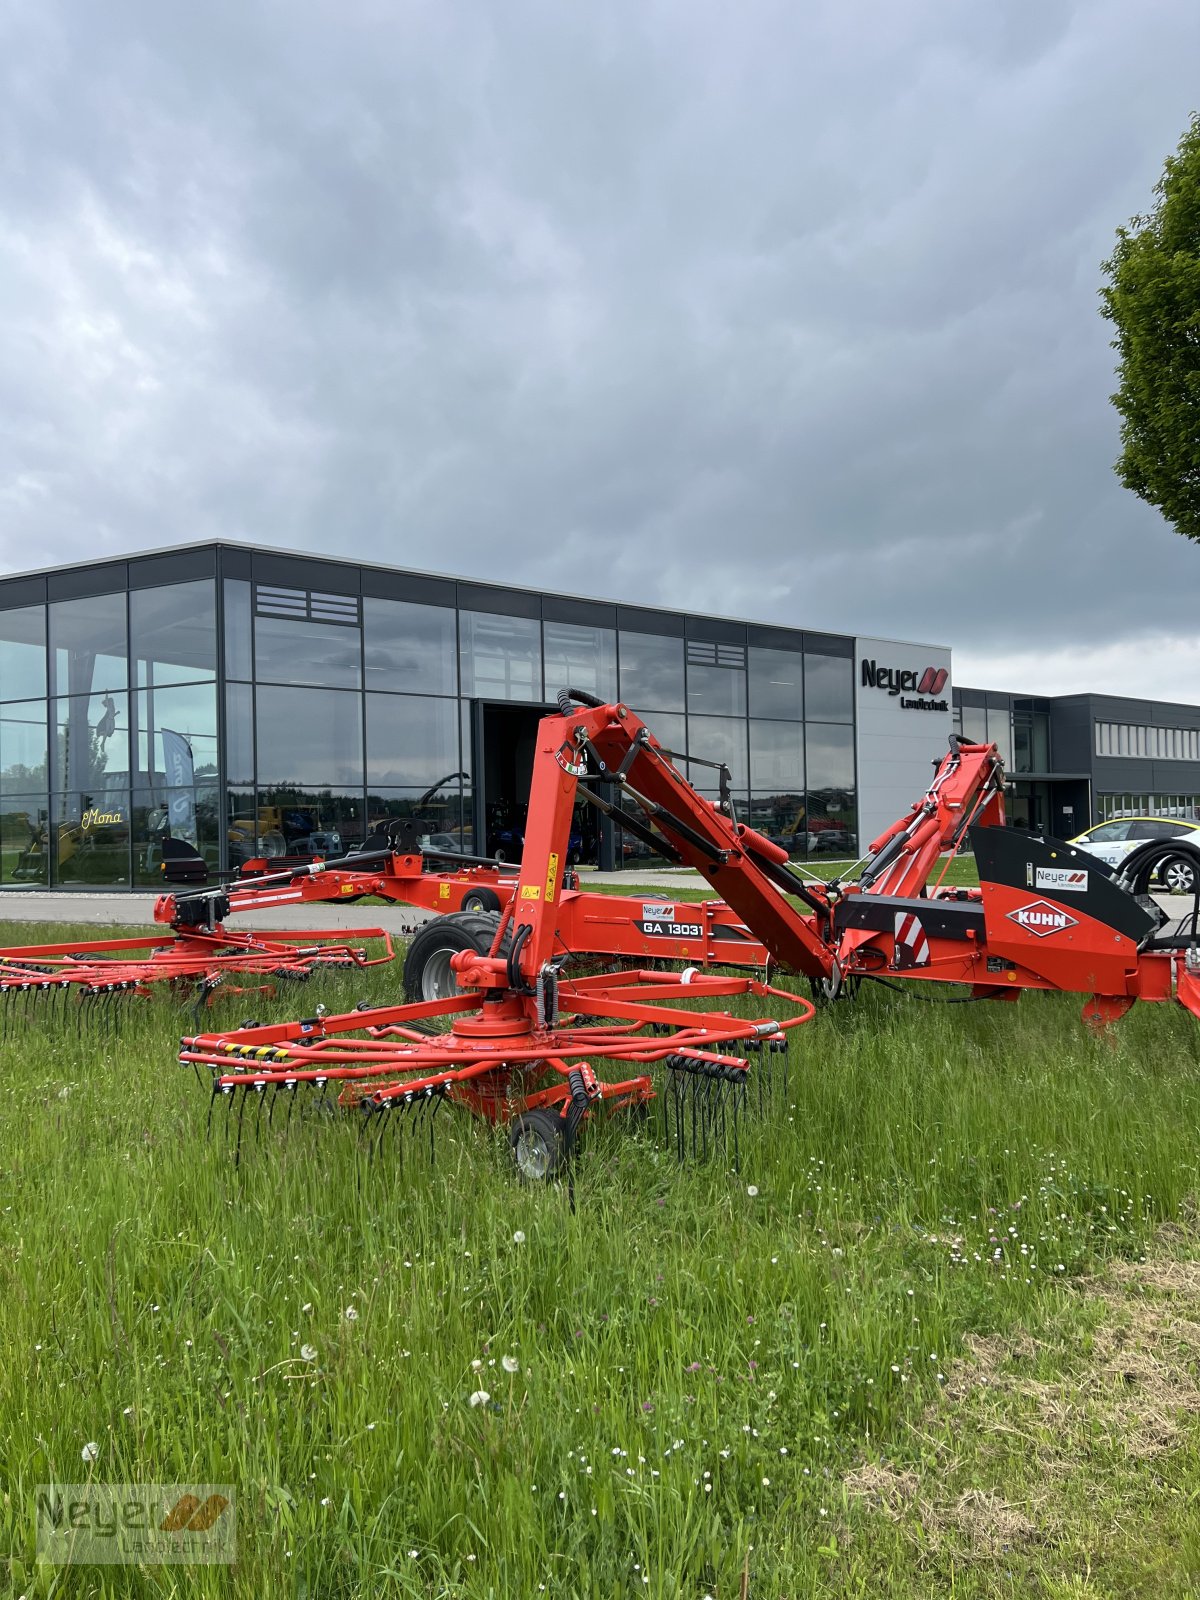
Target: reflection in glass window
783,818
409,648
238,626
293,650
88,644
193,815
718,739
828,688
411,740
652,671
580,658
23,748
832,811
776,683
177,729
173,633
777,755
239,733
501,657
24,837
23,653
89,839
309,736
317,820
91,743
717,691
440,813
669,728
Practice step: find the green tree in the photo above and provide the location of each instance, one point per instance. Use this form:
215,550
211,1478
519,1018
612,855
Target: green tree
1153,298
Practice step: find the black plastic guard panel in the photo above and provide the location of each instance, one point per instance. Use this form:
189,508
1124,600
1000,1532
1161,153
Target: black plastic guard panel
941,919
1036,865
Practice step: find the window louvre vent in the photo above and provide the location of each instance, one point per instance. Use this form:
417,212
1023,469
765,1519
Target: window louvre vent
308,605
706,653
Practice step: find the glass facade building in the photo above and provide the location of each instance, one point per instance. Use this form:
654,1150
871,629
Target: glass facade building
253,702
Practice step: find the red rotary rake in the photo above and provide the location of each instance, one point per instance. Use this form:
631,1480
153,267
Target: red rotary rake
524,1036
524,1040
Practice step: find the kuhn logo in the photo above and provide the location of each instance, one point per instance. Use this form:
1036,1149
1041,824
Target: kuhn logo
1042,919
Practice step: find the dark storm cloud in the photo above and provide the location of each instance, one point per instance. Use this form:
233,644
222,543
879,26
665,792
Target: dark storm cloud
786,310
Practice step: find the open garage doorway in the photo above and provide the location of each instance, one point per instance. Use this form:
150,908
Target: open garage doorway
503,740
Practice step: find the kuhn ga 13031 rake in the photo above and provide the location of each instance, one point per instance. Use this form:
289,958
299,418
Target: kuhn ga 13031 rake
527,1045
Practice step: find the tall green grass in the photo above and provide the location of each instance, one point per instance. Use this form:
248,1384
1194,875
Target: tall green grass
699,1351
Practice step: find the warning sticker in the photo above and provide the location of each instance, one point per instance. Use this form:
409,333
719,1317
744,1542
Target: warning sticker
531,891
551,875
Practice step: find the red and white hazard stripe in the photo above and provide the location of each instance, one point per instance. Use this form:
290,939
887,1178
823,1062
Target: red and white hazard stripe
912,947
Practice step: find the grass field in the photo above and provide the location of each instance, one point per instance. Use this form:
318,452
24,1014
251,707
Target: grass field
937,1335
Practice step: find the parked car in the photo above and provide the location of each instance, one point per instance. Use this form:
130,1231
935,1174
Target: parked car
1112,841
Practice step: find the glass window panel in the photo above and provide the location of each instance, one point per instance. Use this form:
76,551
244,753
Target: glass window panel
1041,741
777,755
291,650
310,820
782,817
160,813
776,683
89,839
718,739
443,812
239,734
172,722
91,744
88,644
974,724
410,648
173,633
832,812
23,839
23,748
411,740
501,657
238,629
309,736
668,727
23,653
999,725
652,671
828,688
580,658
716,691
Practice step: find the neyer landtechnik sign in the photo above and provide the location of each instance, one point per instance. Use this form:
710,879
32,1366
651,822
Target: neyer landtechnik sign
924,686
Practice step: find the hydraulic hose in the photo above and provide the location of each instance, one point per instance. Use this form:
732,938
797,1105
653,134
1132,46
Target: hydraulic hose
579,697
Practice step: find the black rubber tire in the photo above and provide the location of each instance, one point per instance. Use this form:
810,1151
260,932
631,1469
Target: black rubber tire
1177,875
539,1145
481,900
426,967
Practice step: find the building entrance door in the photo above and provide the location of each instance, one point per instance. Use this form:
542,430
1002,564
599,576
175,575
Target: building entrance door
503,741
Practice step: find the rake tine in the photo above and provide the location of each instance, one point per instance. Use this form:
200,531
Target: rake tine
260,1090
241,1099
293,1088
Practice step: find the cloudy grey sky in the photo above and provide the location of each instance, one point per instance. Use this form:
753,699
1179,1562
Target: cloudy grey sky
783,309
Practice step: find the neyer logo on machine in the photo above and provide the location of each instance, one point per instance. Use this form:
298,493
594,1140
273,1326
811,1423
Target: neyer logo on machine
1070,878
1042,919
926,685
661,921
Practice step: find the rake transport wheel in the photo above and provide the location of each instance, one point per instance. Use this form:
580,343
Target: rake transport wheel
428,974
539,1144
481,900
